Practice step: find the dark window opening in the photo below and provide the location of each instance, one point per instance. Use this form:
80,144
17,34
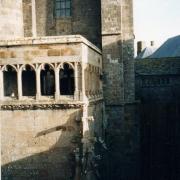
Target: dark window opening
47,81
155,81
67,80
10,82
63,8
28,81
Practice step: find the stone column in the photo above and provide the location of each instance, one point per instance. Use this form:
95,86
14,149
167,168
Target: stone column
57,90
83,82
19,84
93,80
1,85
38,84
89,82
76,82
34,30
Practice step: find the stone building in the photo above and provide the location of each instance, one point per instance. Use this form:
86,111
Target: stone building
158,89
67,90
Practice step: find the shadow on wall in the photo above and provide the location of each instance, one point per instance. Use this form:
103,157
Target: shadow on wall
118,71
85,19
123,121
160,147
56,163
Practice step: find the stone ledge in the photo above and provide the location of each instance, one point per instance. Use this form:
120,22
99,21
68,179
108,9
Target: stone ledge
40,106
124,103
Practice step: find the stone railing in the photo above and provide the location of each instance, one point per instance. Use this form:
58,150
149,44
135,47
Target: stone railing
37,68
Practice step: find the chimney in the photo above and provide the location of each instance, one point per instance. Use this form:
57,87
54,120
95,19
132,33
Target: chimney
152,43
140,46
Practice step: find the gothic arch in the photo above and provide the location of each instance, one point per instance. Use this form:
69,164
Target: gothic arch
25,66
28,77
67,84
44,65
47,76
4,68
10,81
61,66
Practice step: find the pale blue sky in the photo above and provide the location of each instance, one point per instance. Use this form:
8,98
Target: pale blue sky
156,20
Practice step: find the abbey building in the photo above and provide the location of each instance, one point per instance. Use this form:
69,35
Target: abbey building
67,102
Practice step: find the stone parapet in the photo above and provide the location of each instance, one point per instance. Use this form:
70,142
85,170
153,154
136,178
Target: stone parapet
159,66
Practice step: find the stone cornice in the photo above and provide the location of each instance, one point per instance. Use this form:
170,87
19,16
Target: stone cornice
66,39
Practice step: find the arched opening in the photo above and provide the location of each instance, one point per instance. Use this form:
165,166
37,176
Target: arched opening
28,81
47,81
10,81
67,80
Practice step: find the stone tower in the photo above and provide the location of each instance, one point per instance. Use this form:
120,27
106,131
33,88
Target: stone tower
11,18
118,68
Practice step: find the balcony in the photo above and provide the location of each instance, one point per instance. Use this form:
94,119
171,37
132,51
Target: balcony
49,70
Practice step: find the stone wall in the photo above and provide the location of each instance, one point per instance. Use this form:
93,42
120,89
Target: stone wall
158,80
95,110
85,20
160,147
118,78
11,18
117,42
40,143
158,90
95,151
30,54
123,139
43,143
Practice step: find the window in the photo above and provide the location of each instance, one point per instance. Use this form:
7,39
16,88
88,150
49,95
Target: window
28,81
47,81
63,8
67,80
155,81
10,81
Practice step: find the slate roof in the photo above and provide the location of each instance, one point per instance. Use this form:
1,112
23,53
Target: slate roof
171,48
146,52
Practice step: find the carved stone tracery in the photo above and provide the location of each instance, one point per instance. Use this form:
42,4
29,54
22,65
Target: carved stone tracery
40,106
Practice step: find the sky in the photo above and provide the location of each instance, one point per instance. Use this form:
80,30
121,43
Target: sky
156,20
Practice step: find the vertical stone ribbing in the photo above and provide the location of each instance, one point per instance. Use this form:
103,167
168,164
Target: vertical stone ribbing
27,18
38,84
57,84
41,13
19,84
128,50
76,78
1,85
34,31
